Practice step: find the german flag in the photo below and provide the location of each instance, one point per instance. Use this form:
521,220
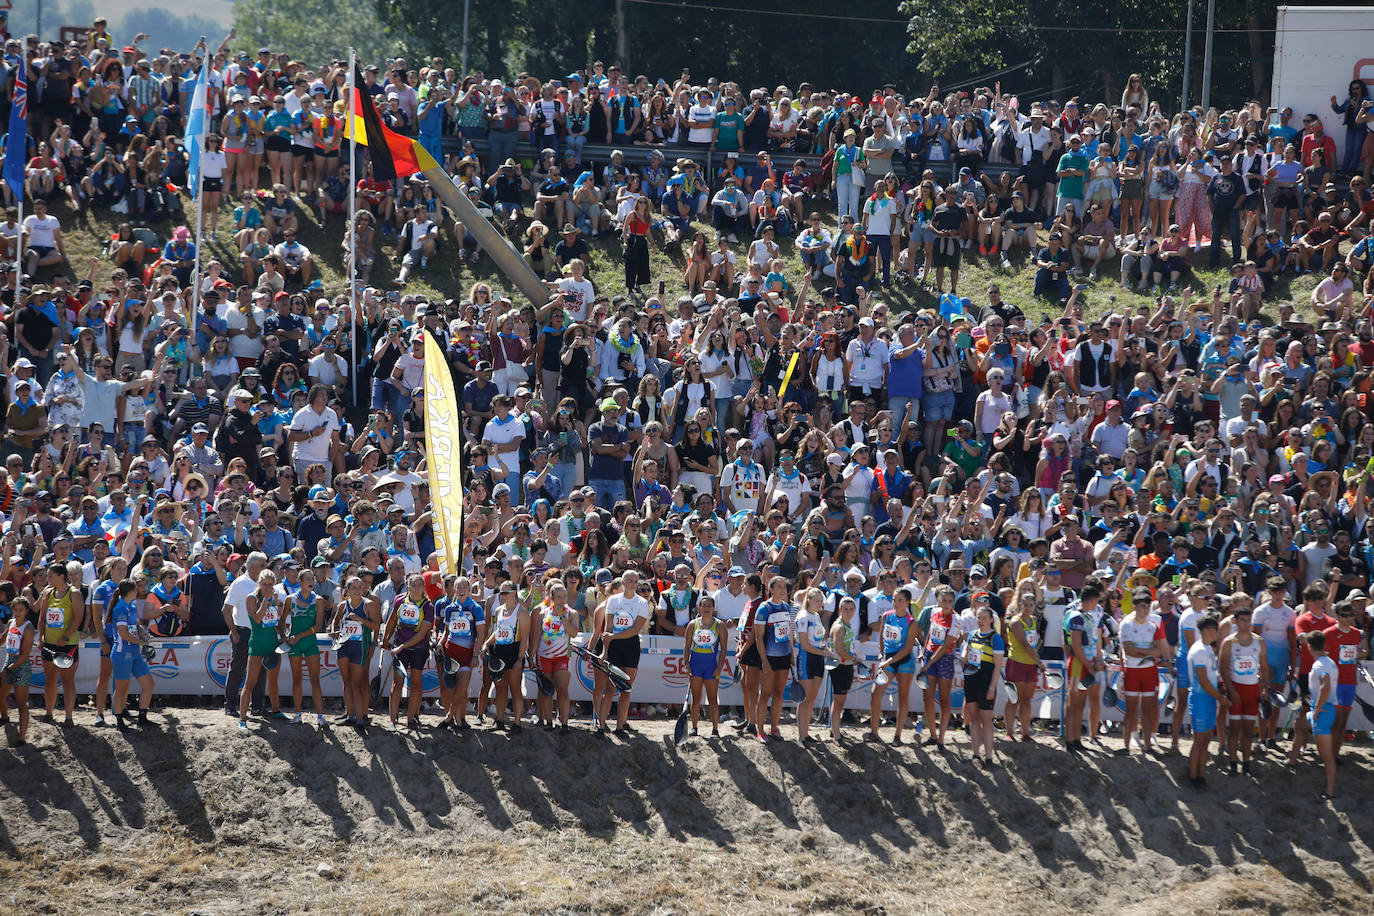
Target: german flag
395,156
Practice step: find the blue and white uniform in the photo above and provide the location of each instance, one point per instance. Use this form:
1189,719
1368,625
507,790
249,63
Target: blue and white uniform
704,655
126,657
1323,718
1202,706
895,628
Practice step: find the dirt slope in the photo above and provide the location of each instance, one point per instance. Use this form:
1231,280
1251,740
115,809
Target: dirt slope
192,816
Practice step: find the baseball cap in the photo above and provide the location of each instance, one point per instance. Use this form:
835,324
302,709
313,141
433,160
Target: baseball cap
736,571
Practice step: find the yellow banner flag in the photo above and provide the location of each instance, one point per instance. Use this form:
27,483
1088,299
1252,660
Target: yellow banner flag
787,379
444,455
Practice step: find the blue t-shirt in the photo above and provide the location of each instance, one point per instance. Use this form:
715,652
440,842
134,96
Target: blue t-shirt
125,613
775,624
904,376
460,619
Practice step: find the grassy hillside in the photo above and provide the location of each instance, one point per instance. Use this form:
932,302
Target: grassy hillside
447,277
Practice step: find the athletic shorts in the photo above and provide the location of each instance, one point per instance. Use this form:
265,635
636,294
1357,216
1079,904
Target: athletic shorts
907,666
841,679
351,649
1051,653
305,648
1247,702
1202,708
212,184
809,665
458,652
73,651
278,144
943,669
1140,682
976,689
1183,678
20,675
414,657
549,665
129,665
749,658
1345,696
948,260
1322,720
303,152
702,664
1021,673
780,662
1304,689
508,653
1077,672
1278,659
624,653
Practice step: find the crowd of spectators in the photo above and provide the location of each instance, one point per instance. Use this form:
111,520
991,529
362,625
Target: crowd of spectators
757,422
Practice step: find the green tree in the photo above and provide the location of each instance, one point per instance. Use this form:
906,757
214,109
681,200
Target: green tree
312,31
854,48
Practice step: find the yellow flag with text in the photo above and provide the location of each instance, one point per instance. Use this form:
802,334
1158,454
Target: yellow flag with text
444,455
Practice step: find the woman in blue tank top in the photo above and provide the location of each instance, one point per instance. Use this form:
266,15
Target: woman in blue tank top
897,631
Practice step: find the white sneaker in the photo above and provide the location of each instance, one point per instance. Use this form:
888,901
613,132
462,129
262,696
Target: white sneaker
319,720
734,239
1092,275
1006,265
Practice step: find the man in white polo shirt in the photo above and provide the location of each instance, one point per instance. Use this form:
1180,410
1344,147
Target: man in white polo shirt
867,358
240,625
314,432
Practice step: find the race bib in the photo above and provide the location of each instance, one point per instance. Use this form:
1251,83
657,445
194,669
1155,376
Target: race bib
13,640
622,621
974,653
1246,665
460,627
56,620
270,619
1349,654
411,615
1033,638
782,632
352,630
892,634
553,628
505,634
938,633
704,640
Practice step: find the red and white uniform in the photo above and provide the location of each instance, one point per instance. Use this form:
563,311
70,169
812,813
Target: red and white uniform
1244,673
1140,676
552,648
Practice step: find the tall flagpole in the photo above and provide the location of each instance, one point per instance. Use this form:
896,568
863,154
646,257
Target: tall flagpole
200,193
19,247
352,230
